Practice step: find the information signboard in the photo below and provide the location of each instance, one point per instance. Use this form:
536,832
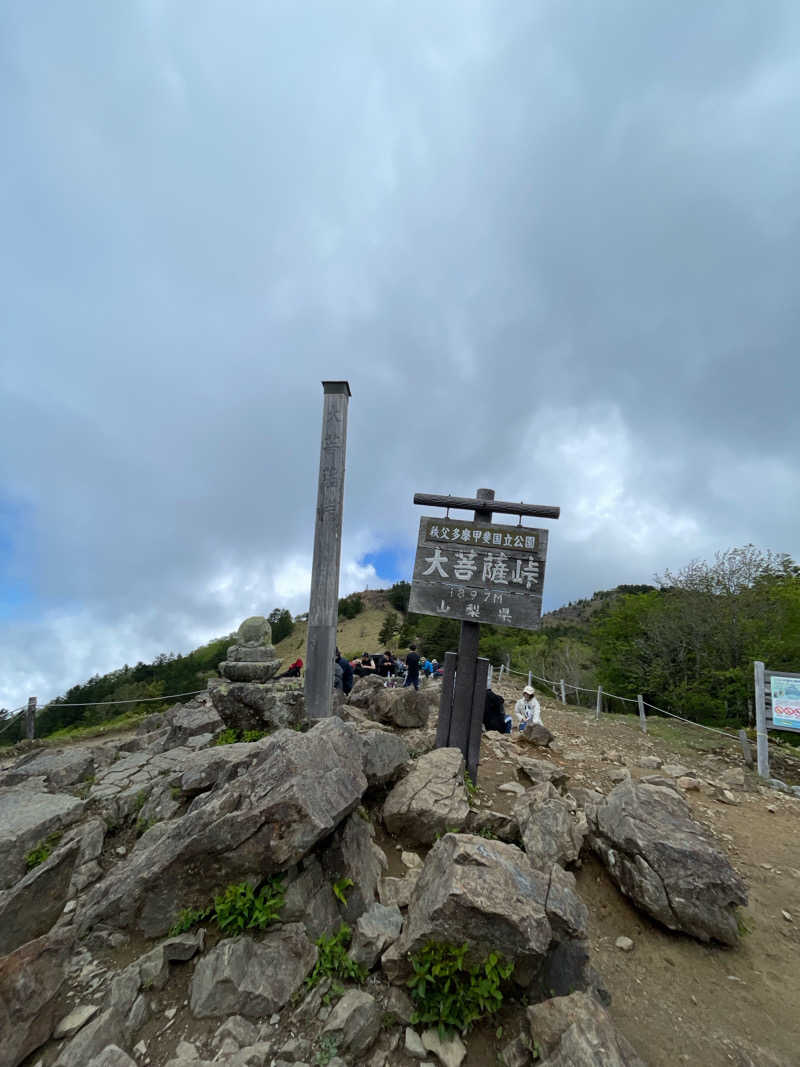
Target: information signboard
784,698
479,572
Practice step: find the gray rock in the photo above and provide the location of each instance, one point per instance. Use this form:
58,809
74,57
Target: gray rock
488,895
575,1031
235,1028
261,823
352,853
27,818
397,891
399,1004
541,771
536,734
385,756
355,1022
245,977
31,981
154,968
60,768
516,1053
449,1051
375,930
309,899
487,823
430,800
551,832
246,705
112,1056
404,708
674,770
651,763
413,1044
666,862
74,1020
31,907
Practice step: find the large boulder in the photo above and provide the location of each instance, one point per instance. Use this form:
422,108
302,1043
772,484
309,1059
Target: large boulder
31,981
430,800
666,862
59,769
552,830
260,823
253,706
352,854
32,906
27,819
488,895
405,707
576,1031
385,755
252,978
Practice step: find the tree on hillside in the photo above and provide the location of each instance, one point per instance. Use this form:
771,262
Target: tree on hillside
350,606
280,619
398,596
391,624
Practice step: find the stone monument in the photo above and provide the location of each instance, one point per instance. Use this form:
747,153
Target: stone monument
252,658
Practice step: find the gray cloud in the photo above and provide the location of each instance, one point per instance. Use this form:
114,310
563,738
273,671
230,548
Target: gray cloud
552,247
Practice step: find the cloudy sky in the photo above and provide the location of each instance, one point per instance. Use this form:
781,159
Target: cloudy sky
553,246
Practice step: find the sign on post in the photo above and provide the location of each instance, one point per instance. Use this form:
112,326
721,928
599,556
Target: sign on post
784,700
479,572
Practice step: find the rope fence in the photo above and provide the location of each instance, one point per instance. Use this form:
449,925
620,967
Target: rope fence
599,693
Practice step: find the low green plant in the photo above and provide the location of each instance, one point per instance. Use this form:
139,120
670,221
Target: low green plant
470,787
143,825
486,832
226,737
42,851
139,803
253,735
333,961
340,888
238,908
176,792
452,994
741,924
328,1050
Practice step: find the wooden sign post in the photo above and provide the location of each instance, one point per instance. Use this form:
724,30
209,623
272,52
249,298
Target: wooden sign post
476,572
777,708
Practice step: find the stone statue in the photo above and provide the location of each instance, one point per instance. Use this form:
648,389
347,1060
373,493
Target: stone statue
252,658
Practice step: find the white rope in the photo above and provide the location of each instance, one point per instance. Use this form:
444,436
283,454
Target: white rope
137,700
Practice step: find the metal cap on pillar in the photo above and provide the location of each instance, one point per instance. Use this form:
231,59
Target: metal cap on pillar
324,600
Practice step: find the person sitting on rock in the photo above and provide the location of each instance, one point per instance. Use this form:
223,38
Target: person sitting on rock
293,671
386,666
494,714
526,710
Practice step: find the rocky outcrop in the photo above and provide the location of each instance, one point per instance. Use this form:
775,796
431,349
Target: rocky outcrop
261,823
375,930
385,755
31,907
58,769
31,981
405,708
552,829
252,978
666,862
489,895
353,855
253,706
27,819
431,799
576,1031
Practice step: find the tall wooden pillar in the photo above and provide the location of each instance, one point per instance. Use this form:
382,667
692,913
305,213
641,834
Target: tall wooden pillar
323,606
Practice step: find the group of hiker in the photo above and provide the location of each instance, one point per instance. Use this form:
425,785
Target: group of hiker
385,665
527,711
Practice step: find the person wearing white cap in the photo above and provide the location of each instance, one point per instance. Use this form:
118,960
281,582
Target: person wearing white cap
527,710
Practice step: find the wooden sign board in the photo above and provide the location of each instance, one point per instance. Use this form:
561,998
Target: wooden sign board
479,572
782,700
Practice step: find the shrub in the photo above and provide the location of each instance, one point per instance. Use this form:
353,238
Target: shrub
42,851
231,736
451,994
333,961
238,908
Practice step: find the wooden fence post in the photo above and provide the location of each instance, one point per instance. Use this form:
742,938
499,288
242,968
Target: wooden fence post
747,752
598,709
489,677
30,719
500,675
642,716
563,694
530,677
762,751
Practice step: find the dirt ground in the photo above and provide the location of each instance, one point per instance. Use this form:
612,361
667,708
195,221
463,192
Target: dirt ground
676,1000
